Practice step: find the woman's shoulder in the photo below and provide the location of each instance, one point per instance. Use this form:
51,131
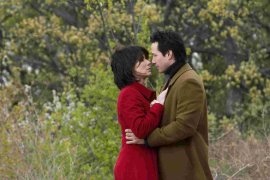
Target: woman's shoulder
129,95
129,91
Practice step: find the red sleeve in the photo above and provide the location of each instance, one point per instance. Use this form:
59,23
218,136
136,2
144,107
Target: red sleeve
133,113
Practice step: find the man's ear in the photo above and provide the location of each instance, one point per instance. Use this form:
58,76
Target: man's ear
170,54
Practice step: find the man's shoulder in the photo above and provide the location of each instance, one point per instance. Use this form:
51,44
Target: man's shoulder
189,77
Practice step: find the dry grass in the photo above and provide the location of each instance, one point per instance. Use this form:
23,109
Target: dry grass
231,157
25,154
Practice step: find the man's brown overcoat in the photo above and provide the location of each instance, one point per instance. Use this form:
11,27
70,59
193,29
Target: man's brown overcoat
182,138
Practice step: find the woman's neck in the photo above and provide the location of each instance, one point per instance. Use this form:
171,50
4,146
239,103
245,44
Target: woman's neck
141,81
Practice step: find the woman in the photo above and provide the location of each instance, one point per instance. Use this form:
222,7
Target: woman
131,67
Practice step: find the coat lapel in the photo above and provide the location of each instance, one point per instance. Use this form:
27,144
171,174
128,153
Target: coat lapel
183,69
146,92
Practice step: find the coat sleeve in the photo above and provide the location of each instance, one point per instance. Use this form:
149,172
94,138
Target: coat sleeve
140,122
190,100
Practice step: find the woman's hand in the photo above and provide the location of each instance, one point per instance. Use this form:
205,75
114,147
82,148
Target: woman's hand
161,97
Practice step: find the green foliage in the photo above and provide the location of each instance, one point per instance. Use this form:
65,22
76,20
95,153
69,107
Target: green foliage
251,114
90,124
58,101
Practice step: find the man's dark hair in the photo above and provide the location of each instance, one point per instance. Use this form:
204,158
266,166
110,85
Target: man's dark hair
123,63
169,40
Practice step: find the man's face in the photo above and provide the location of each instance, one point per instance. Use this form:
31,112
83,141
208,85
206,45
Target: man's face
161,62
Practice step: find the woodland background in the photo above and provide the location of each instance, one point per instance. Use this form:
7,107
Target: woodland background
58,100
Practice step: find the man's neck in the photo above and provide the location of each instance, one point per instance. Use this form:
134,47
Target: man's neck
170,72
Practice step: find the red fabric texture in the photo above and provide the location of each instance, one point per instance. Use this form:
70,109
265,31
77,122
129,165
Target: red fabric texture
137,162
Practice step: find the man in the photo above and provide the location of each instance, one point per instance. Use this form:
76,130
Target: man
182,138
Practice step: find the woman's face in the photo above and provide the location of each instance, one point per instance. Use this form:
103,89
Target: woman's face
142,69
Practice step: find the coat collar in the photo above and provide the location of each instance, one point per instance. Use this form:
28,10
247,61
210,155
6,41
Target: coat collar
183,69
146,92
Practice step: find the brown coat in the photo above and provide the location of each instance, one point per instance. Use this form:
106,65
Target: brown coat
183,134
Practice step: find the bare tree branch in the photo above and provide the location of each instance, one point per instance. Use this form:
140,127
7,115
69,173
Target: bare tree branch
240,170
104,27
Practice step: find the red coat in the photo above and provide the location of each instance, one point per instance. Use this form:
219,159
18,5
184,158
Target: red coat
137,162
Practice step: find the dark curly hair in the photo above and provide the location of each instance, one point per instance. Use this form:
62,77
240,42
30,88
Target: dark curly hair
123,62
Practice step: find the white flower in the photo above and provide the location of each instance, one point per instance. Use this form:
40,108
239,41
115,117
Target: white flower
27,88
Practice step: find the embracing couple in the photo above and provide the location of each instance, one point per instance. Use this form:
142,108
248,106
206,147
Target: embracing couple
166,136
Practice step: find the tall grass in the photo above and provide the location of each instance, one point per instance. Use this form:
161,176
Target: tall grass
233,157
31,148
28,147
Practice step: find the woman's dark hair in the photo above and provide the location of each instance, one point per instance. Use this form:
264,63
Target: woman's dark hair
169,40
123,63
